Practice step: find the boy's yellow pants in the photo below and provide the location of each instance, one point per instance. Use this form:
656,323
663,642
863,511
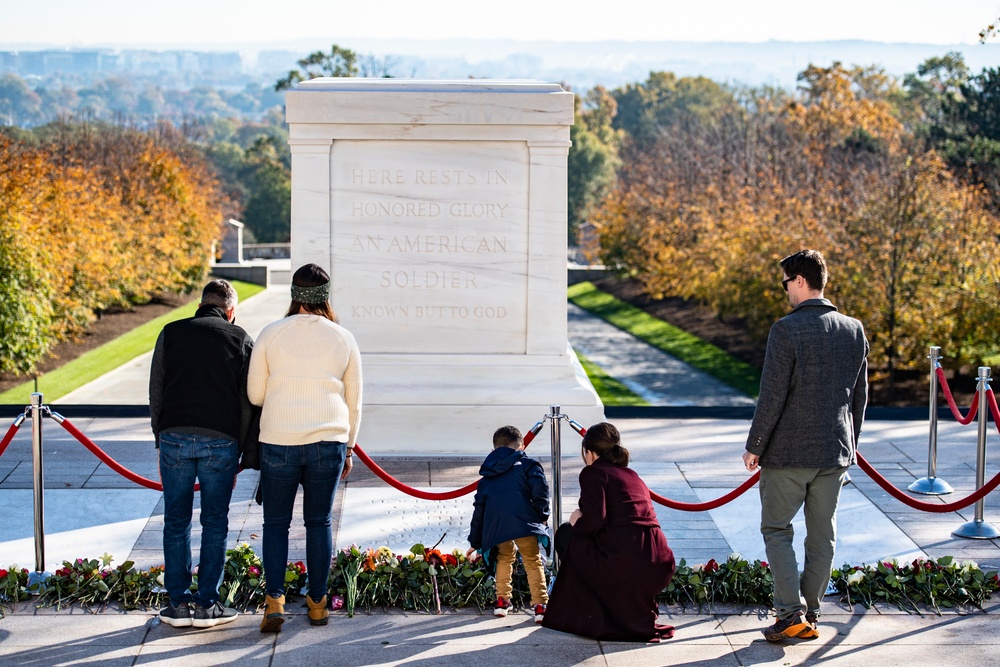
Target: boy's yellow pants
533,567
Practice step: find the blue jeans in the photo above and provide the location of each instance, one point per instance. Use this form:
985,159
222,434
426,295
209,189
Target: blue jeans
213,463
317,467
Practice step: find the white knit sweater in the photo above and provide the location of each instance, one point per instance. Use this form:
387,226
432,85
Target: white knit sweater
306,373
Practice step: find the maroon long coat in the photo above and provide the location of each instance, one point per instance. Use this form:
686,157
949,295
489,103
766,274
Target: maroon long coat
616,563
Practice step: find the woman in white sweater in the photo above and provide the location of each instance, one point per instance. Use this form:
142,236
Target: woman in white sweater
305,372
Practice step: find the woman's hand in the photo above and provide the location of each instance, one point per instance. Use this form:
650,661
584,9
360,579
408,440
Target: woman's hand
575,516
347,467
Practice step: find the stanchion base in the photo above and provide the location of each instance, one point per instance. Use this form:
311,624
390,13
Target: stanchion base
931,486
977,530
36,582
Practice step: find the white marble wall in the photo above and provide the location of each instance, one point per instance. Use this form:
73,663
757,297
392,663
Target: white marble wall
439,208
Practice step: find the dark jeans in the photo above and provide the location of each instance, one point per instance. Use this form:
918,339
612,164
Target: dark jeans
212,462
317,467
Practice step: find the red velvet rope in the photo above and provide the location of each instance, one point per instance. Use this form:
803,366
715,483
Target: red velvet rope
886,485
943,381
698,507
417,493
108,461
711,504
991,399
8,437
927,507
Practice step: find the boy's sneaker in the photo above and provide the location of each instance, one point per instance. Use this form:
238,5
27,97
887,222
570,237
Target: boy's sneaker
540,612
209,617
501,607
811,632
786,628
178,617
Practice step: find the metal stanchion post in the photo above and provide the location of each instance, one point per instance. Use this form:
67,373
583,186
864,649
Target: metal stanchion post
556,514
978,529
36,579
931,485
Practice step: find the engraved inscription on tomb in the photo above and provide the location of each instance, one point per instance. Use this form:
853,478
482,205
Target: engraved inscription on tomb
432,238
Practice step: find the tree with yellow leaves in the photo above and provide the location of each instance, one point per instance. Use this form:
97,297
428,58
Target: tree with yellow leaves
92,218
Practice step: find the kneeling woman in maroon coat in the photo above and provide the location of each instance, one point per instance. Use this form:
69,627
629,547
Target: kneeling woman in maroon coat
614,557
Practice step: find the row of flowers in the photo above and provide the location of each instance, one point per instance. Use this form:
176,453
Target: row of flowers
427,579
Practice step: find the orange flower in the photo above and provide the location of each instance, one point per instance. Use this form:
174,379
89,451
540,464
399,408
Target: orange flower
369,562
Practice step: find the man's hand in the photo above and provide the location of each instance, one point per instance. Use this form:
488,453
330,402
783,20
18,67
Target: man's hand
348,464
575,516
751,461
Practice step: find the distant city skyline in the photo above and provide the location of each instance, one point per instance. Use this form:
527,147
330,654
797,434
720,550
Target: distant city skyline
252,25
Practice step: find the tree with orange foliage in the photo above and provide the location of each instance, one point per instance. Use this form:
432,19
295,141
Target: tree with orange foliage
705,210
95,218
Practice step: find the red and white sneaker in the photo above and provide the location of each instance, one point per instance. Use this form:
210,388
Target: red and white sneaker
501,607
540,612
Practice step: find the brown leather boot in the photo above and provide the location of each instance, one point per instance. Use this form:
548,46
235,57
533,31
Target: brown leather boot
274,614
319,612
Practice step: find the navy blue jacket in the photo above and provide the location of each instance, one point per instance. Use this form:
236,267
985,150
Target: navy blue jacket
512,499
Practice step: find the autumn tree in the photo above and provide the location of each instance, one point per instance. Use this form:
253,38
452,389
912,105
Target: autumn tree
708,202
593,155
96,217
268,208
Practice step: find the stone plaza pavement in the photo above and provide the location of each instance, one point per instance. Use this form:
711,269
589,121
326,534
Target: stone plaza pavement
91,510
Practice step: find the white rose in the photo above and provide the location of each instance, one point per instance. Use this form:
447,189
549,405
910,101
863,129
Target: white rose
856,577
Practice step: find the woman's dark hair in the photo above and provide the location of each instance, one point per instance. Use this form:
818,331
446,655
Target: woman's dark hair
312,275
604,440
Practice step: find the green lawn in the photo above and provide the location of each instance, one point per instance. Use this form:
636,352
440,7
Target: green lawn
95,363
672,340
611,391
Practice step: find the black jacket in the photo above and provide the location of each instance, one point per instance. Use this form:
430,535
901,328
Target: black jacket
512,499
198,377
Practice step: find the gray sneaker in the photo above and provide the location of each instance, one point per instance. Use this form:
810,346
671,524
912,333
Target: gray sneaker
178,617
209,617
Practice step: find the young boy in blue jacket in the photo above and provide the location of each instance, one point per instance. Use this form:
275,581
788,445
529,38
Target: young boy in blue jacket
511,511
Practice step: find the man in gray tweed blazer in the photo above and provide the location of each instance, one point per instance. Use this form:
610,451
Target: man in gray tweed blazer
813,391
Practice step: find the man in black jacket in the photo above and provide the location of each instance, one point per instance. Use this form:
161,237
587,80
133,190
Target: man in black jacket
199,411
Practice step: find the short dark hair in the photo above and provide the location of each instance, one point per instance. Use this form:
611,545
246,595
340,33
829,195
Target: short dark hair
219,293
312,275
507,436
604,440
810,265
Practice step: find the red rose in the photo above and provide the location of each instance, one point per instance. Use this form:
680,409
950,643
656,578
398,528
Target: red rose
711,566
3,573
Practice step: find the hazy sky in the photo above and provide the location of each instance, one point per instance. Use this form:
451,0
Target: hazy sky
251,22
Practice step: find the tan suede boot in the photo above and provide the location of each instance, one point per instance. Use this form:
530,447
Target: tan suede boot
274,614
319,613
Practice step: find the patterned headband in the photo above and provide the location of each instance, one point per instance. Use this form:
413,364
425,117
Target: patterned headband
317,294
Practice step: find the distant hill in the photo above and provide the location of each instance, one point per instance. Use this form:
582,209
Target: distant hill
612,63
583,65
